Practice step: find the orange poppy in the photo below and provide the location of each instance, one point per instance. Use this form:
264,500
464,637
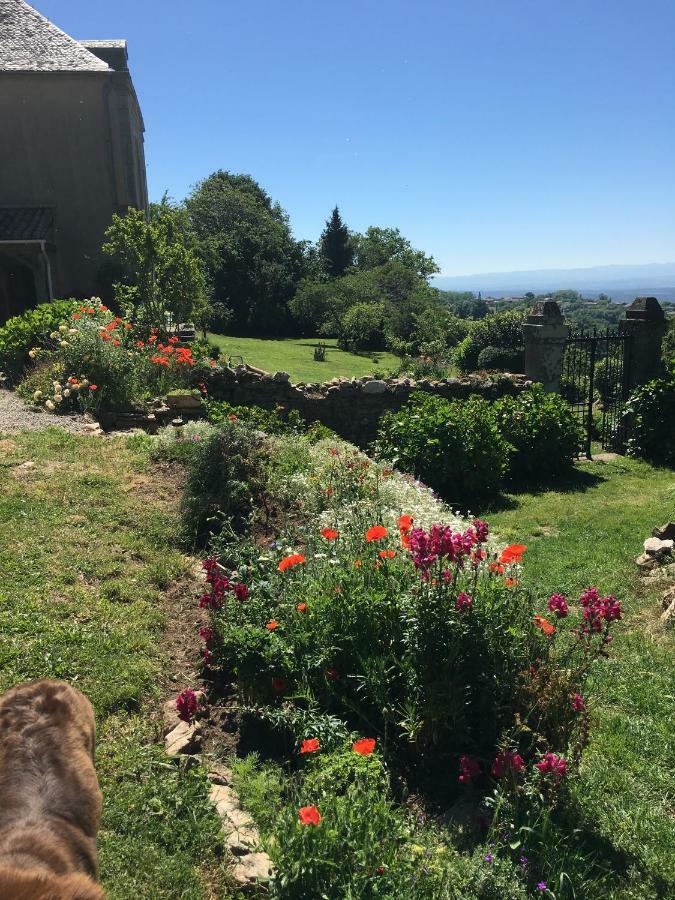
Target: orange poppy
271,626
330,534
309,815
511,582
357,563
301,607
364,746
512,554
311,745
387,554
497,568
405,523
295,559
76,316
376,533
544,624
405,541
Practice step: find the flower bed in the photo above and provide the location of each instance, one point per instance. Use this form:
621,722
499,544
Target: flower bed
377,631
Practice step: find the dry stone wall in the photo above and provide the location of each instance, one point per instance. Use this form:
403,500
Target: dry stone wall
351,407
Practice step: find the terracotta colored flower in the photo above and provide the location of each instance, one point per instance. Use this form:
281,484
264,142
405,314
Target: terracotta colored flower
295,559
272,626
301,607
376,533
309,815
512,554
364,746
311,745
278,684
544,624
387,554
404,523
330,534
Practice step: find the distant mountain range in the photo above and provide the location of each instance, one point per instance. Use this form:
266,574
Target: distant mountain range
621,282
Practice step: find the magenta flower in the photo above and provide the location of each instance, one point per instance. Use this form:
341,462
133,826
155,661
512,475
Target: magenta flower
553,765
241,592
558,604
206,634
468,769
507,761
463,601
481,529
187,704
542,886
578,703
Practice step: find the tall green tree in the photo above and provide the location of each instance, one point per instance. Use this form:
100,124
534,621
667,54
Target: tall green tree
336,249
162,279
379,246
253,261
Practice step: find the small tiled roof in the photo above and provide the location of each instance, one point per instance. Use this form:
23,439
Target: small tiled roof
26,223
31,43
114,44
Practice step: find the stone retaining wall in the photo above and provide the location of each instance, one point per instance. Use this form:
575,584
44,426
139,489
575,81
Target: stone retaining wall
351,407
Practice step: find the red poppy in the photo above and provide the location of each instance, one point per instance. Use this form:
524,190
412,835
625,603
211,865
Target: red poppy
116,343
93,387
311,745
91,310
232,417
173,340
376,533
405,523
511,582
127,325
278,684
301,607
140,344
295,559
364,746
111,326
405,541
105,335
76,316
309,815
102,307
387,554
271,626
512,554
497,568
330,534
152,338
544,624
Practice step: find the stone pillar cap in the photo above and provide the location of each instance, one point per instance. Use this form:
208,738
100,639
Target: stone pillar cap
545,309
646,309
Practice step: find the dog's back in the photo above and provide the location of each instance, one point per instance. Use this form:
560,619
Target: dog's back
51,801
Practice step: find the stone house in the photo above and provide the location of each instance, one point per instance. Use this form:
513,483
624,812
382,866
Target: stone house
71,155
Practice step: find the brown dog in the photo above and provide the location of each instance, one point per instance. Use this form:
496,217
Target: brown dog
50,801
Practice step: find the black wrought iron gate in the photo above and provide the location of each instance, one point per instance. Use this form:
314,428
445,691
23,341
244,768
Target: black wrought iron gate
596,384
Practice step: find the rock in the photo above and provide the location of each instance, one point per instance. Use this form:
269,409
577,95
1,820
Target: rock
25,467
374,387
668,597
184,738
250,870
281,376
184,401
219,774
657,547
647,562
241,834
170,714
665,532
92,426
668,617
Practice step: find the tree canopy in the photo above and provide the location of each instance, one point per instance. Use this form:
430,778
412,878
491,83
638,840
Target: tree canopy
336,249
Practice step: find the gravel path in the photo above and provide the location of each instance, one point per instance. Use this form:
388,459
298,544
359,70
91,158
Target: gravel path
16,416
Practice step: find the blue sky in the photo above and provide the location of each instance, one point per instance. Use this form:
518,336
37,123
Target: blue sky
496,134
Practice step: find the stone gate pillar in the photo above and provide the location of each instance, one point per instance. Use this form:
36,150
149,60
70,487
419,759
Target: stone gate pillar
544,335
646,321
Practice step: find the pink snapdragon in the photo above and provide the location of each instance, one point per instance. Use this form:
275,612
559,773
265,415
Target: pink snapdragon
187,704
468,769
558,604
507,761
553,765
463,601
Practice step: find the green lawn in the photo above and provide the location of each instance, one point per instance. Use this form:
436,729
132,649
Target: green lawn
87,547
590,533
296,356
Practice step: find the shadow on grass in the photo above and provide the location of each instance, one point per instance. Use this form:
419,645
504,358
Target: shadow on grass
573,482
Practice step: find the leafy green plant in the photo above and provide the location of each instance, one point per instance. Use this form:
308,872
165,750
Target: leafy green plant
455,447
500,359
501,330
22,334
650,416
543,432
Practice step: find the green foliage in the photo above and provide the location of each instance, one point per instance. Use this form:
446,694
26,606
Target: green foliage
650,413
502,330
379,246
277,421
543,432
668,345
464,304
18,336
453,446
336,250
223,479
163,280
363,327
253,262
500,359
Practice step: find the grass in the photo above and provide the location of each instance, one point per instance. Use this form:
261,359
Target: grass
87,545
589,532
296,356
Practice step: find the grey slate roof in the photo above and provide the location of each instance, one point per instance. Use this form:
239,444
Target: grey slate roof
26,223
31,43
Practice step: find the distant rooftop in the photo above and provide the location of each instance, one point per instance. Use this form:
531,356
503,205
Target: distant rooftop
31,43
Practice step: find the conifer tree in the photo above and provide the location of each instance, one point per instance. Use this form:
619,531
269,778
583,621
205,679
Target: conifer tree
335,247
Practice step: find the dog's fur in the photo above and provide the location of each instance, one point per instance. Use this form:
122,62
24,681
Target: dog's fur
50,801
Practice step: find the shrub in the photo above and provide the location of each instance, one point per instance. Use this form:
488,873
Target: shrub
363,327
224,475
544,434
18,336
453,446
502,330
500,359
650,416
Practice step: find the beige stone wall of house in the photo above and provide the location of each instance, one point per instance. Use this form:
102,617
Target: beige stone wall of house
73,142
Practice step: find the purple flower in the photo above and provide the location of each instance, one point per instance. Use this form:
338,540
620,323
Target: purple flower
463,601
524,862
558,604
488,857
542,886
